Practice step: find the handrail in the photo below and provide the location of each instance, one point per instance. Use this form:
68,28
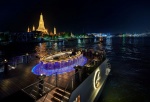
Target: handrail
30,85
34,84
53,83
45,97
71,80
68,84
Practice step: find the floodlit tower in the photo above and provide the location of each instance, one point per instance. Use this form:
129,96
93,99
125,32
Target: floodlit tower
33,29
41,25
28,29
54,30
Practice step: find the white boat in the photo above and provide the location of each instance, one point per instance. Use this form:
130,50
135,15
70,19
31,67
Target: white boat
84,83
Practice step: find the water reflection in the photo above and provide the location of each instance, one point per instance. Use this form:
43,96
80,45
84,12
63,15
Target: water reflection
108,43
79,41
134,40
130,40
128,80
123,40
123,48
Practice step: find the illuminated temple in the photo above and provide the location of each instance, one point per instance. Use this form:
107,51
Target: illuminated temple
41,26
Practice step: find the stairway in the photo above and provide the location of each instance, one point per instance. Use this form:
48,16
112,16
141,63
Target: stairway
60,95
56,95
36,93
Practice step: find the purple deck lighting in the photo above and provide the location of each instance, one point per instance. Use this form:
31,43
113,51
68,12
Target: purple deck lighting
60,67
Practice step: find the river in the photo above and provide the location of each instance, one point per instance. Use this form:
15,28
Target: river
130,65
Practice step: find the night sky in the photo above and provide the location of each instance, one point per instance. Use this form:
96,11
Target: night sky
77,16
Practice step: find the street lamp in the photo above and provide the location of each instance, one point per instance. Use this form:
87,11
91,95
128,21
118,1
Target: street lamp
41,83
5,66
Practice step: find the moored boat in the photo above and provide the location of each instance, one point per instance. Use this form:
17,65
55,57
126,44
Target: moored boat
70,76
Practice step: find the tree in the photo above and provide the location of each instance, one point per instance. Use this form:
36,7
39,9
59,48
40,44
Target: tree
41,51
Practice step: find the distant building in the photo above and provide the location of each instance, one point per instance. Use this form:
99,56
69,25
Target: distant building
54,30
28,30
33,29
41,26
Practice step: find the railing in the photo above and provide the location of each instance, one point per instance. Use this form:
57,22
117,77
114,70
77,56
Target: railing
74,79
60,82
41,87
14,61
49,82
73,86
79,76
21,59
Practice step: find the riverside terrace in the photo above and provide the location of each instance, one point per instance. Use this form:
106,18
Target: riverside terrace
19,81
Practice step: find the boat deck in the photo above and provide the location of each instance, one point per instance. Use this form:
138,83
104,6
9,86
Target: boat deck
16,79
12,83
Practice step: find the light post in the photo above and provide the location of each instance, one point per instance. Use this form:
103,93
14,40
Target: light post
41,83
5,66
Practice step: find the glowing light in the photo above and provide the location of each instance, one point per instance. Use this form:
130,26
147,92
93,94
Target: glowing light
41,25
97,77
60,67
5,60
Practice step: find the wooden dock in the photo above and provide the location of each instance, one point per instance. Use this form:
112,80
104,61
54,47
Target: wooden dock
15,80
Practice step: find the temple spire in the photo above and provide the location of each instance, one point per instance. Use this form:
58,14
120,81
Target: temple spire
54,30
41,26
28,29
33,29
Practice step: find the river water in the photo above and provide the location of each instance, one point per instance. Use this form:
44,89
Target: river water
130,65
129,79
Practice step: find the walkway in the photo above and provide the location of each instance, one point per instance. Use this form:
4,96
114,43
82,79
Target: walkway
16,79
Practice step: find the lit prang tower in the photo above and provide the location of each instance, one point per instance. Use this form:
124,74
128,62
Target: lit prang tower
54,30
41,25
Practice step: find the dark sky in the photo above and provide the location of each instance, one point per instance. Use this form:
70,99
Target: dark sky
76,16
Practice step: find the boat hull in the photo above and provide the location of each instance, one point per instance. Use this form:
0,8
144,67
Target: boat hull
89,90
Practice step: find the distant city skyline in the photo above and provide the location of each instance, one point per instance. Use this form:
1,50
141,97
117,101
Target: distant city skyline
77,16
